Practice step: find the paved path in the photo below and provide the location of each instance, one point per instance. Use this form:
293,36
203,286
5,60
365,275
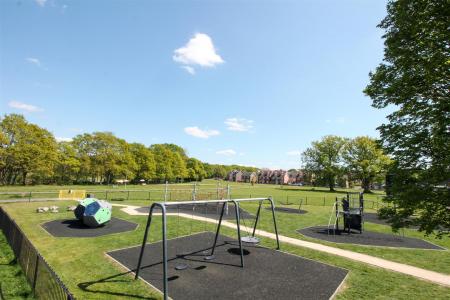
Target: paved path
432,276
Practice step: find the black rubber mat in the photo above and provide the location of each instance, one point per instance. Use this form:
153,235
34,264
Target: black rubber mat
267,274
289,210
75,228
209,210
366,238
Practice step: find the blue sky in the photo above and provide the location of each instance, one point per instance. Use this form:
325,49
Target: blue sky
246,82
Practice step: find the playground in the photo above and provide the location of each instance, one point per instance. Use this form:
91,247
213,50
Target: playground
293,271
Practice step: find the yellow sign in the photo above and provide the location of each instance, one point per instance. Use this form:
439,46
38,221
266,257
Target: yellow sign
72,194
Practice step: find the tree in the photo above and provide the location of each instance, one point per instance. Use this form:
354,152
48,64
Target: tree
29,151
195,169
414,80
106,156
144,161
324,159
68,164
365,160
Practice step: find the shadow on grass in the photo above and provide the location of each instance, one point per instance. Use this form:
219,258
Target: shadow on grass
87,286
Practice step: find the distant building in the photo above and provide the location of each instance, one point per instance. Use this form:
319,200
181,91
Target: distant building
266,176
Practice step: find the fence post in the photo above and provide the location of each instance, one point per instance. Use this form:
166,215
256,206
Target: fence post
323,200
29,197
149,196
36,269
306,198
106,196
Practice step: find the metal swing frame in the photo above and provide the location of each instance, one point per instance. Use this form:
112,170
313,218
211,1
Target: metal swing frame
164,205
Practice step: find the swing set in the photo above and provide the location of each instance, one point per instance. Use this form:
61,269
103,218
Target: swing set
250,239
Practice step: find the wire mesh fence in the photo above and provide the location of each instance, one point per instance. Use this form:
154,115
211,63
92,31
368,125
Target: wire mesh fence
44,281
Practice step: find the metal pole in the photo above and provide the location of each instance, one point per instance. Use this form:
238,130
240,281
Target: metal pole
238,218
218,228
274,221
257,217
165,191
166,283
147,228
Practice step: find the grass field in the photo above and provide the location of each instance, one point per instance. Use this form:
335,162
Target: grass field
72,257
13,284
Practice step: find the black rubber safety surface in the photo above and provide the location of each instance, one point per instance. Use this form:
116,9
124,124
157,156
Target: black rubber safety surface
268,274
289,210
75,228
366,238
209,210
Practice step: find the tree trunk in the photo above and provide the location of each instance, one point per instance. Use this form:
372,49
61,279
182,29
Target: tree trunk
366,185
24,179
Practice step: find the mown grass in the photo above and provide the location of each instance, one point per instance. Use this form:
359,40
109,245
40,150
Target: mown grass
89,274
13,284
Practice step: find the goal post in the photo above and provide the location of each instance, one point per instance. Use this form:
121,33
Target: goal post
72,194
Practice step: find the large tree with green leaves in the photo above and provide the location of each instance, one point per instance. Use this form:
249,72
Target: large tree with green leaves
28,151
365,160
414,80
324,159
144,162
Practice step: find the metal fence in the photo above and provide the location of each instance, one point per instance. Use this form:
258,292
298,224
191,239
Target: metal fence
43,280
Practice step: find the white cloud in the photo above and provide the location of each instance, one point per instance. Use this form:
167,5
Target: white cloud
199,51
236,124
23,106
40,2
227,152
200,133
63,139
34,61
293,153
189,69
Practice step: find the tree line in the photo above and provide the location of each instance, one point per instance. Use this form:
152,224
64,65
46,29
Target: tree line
335,158
30,154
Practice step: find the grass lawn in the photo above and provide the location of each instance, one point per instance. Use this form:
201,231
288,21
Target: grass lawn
89,274
13,284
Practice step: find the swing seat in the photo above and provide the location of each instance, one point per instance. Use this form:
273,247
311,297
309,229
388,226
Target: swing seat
250,240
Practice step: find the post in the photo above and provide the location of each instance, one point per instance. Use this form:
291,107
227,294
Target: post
36,270
165,191
128,196
29,197
217,190
238,218
106,194
323,200
164,244
306,198
149,196
218,228
274,221
257,217
228,197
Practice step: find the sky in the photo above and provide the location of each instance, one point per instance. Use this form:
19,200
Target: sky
233,82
